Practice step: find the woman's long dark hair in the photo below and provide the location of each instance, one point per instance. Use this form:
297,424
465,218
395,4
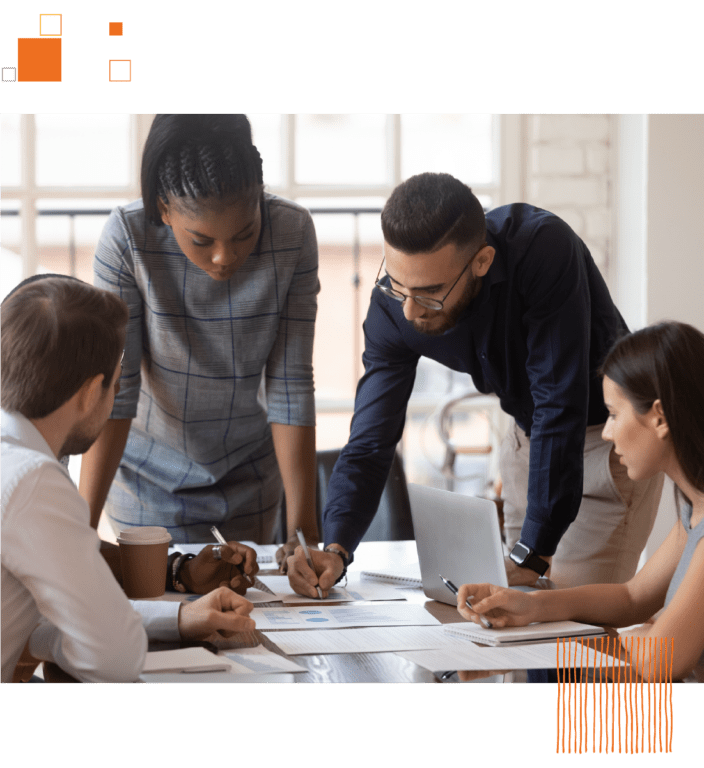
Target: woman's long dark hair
192,157
666,362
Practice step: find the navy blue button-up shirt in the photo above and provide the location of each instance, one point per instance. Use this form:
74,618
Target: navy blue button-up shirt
535,335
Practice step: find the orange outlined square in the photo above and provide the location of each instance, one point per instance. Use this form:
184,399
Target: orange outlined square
115,27
115,61
50,34
38,60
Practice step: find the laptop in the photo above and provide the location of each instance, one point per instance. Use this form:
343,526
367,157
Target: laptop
457,536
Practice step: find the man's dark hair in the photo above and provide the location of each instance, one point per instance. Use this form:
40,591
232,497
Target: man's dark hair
430,210
57,332
192,157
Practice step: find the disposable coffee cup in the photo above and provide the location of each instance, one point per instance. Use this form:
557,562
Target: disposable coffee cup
144,554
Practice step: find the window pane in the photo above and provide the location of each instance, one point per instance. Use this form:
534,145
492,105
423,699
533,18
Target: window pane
344,293
461,145
341,149
54,235
10,157
83,150
266,134
10,261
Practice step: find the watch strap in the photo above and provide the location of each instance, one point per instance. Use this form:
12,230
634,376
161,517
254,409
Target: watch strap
532,561
345,560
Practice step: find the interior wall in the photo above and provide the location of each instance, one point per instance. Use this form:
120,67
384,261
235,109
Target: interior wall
660,275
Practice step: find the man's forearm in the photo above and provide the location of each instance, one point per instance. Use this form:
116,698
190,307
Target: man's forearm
295,454
99,465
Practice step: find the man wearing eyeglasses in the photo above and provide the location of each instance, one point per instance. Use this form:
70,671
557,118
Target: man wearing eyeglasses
514,299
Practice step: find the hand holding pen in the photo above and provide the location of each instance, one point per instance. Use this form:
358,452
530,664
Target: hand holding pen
485,622
217,554
306,552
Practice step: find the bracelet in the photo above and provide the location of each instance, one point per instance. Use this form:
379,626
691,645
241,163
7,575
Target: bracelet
169,571
345,562
176,570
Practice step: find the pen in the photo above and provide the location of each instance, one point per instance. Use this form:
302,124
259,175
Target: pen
221,540
302,540
485,622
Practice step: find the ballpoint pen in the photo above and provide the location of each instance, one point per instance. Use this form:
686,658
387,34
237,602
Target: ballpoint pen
302,540
485,622
221,540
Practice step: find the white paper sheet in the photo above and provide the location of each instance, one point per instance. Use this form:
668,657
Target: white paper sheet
465,655
183,660
327,617
373,590
255,596
359,640
355,590
282,589
260,661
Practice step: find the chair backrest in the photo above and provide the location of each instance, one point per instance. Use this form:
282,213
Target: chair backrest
392,521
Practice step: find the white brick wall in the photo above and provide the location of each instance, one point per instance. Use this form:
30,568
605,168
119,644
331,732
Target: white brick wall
569,171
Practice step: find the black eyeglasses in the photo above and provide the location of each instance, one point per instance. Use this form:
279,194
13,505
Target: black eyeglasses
424,301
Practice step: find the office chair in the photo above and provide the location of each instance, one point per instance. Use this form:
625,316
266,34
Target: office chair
392,521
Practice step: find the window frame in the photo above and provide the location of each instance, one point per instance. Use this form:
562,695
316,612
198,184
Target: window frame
507,187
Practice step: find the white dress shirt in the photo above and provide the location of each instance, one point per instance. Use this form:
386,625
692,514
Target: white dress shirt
56,586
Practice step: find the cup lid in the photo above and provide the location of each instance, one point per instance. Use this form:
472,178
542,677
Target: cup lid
148,534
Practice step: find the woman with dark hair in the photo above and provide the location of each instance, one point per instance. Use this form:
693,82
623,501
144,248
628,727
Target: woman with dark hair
216,414
654,391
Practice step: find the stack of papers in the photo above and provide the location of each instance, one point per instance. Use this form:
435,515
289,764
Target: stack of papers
533,633
333,617
185,660
465,655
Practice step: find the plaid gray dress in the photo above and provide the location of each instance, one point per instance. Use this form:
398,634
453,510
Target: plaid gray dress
208,365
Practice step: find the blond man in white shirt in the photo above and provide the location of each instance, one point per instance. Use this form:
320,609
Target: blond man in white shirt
62,343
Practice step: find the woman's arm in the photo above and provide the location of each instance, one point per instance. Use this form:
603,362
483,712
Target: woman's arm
295,454
99,465
615,605
681,623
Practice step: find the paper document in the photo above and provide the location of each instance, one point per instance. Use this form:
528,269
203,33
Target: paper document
361,640
281,588
255,596
465,655
328,617
407,574
537,632
184,660
362,589
260,661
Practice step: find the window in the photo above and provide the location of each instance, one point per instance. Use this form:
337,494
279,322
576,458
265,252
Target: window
62,173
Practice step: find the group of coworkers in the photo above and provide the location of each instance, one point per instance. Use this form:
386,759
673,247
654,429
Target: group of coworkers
184,376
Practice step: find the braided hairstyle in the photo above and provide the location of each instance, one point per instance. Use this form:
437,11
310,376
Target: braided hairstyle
188,159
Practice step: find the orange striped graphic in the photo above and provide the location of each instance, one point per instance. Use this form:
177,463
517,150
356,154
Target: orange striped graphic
624,705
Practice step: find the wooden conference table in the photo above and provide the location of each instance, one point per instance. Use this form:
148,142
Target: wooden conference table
346,667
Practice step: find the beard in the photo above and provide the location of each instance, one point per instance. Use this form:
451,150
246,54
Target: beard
78,441
439,322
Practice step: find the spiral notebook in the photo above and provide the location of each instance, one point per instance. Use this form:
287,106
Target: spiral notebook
405,575
533,633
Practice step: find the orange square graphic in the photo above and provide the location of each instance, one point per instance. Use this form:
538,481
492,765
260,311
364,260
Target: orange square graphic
38,59
115,27
50,34
117,61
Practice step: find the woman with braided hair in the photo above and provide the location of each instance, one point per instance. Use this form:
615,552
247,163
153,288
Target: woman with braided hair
216,414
